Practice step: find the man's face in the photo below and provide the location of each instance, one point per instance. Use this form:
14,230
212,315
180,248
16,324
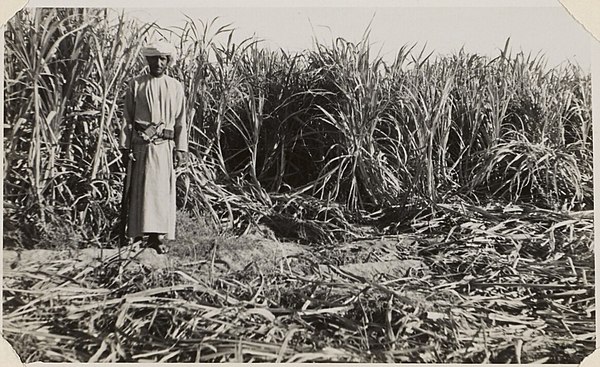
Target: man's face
158,64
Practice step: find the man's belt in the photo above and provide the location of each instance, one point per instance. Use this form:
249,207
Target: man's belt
152,132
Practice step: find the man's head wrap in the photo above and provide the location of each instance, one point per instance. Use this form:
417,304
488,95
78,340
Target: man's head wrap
160,49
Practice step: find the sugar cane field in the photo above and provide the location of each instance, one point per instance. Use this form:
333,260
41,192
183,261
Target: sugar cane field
336,206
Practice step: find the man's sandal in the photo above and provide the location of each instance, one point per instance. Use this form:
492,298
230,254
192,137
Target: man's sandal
158,246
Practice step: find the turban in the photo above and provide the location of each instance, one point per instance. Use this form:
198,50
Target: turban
160,49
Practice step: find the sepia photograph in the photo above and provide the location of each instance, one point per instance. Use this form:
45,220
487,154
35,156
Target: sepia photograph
285,182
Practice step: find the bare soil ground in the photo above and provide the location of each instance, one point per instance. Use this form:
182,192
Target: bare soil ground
366,258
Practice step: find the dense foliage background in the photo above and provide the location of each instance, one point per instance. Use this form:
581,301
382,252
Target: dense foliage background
326,137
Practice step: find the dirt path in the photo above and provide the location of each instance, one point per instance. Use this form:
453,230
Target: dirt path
366,258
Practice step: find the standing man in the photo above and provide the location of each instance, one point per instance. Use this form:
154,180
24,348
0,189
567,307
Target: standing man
154,135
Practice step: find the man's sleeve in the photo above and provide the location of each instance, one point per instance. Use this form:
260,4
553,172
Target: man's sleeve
181,138
128,116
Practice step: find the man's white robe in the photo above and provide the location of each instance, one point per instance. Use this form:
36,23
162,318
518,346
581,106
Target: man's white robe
161,101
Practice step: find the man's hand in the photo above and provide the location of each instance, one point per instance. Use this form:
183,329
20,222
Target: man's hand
125,157
181,158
